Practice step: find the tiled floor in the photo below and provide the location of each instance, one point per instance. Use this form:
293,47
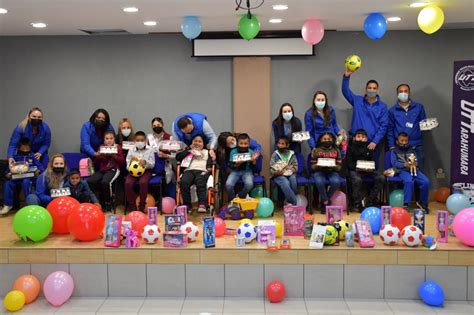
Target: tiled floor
248,306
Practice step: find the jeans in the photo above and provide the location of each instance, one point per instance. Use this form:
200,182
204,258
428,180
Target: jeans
320,180
409,182
233,178
357,181
11,187
288,186
33,200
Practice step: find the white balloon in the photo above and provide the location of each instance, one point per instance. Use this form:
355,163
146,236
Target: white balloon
301,200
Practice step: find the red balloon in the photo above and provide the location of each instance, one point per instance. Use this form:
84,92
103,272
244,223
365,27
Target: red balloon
86,222
400,218
442,194
59,209
139,221
220,226
276,291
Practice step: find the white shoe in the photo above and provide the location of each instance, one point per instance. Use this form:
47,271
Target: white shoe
6,209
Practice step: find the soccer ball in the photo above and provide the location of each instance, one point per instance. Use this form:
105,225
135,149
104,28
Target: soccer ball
151,234
331,235
191,230
389,234
136,169
353,63
248,231
344,228
411,236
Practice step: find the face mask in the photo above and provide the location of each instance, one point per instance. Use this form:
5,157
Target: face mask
320,104
403,147
287,116
360,143
371,93
58,170
99,123
35,122
140,145
326,144
242,150
282,150
157,129
126,132
403,97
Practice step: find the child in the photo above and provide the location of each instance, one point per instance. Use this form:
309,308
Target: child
23,155
400,161
146,158
241,170
326,148
109,170
283,166
196,173
358,150
79,188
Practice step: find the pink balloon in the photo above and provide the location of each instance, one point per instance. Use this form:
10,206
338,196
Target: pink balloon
339,199
167,205
58,288
312,31
463,226
220,226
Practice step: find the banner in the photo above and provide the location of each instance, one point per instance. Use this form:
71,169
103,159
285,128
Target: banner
462,134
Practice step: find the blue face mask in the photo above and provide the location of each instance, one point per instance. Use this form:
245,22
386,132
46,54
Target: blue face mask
287,116
320,104
403,97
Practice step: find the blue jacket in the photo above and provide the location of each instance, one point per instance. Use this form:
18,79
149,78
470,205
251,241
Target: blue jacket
407,121
30,158
399,157
371,117
278,132
90,140
39,143
82,189
315,125
198,120
42,190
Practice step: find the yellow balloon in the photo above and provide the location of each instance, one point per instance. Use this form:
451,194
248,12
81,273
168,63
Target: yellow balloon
14,300
245,221
278,229
430,19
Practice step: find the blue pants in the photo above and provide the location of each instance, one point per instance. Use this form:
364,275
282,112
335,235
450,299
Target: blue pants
409,182
288,186
11,187
234,176
320,180
33,200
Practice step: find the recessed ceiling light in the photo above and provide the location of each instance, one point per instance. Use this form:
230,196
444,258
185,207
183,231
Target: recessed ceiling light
150,23
394,19
39,25
130,9
280,7
3,11
275,21
417,4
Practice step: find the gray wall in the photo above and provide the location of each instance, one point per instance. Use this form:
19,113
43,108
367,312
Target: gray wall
425,62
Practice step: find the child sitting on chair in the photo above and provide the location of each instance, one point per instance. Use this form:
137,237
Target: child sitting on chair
242,161
197,164
403,159
80,189
283,167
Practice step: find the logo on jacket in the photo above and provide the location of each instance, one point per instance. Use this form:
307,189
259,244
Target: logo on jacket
465,78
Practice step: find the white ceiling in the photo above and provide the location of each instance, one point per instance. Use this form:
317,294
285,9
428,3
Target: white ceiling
66,17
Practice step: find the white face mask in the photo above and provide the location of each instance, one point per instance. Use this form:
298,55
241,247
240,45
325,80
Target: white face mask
140,145
287,116
126,132
320,104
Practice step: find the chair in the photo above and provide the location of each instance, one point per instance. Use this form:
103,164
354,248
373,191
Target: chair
391,181
72,159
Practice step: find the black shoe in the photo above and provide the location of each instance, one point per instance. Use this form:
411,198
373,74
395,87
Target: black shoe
422,206
406,207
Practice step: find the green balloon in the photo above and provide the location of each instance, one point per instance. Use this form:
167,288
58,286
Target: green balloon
257,192
265,207
396,198
32,222
249,27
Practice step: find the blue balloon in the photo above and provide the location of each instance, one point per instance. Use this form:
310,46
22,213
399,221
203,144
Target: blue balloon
431,293
457,202
191,27
375,26
373,215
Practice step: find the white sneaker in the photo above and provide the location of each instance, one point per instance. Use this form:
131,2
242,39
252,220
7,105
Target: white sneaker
6,209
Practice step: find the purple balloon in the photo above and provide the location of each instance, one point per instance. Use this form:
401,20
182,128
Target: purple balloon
58,287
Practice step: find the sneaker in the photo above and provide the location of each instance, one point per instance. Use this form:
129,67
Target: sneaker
5,210
202,209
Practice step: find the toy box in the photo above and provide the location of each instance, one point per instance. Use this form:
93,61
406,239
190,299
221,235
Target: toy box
60,192
113,226
386,215
173,222
174,239
106,149
209,232
300,136
366,238
419,219
266,231
182,211
152,215
308,226
242,157
317,237
128,145
365,166
333,214
294,220
442,219
326,162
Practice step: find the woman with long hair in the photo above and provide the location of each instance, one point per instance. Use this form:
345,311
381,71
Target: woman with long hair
285,124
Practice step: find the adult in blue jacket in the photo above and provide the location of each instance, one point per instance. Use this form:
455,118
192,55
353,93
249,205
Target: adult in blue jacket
284,125
187,126
405,116
370,112
92,132
320,118
34,128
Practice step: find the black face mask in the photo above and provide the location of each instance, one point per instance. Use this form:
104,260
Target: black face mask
100,123
403,147
23,152
35,122
58,170
327,144
282,150
242,150
359,144
157,129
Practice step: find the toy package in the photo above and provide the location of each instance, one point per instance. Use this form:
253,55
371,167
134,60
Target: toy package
152,215
266,231
326,162
428,124
182,211
349,238
21,170
333,214
128,145
113,226
300,136
386,215
442,219
108,149
317,237
209,232
60,192
131,239
365,166
242,157
174,239
294,220
366,238
419,219
308,226
125,225
173,222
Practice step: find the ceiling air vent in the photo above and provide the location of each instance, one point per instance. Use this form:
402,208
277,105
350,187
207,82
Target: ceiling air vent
106,32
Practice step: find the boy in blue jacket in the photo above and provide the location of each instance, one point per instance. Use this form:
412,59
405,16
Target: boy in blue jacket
405,116
23,154
399,158
80,190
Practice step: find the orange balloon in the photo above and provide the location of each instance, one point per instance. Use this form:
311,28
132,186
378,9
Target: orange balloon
150,201
29,285
442,194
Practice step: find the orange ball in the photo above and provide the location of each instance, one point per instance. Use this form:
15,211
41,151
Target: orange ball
29,285
442,194
150,201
